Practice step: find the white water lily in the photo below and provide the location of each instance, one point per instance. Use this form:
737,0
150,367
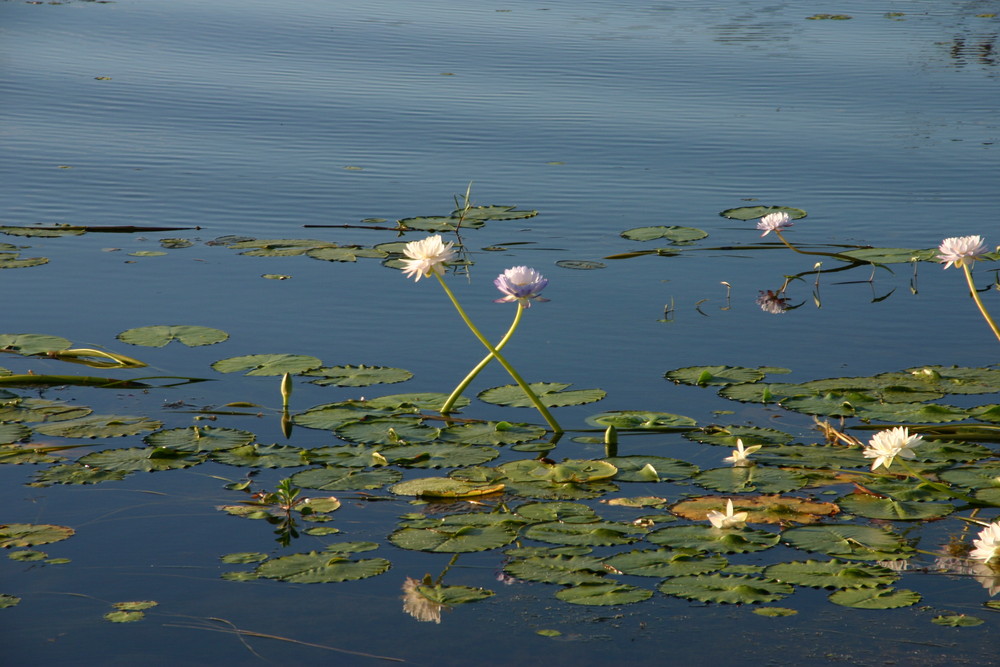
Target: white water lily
427,257
418,606
987,547
958,251
728,519
741,455
774,222
887,445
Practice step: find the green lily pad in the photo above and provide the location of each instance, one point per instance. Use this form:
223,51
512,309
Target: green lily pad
22,454
639,419
388,431
910,412
139,459
439,455
491,433
603,594
577,471
726,589
339,479
651,468
677,235
812,456
8,600
775,611
76,473
443,487
598,534
11,433
665,563
707,538
13,260
200,438
752,212
32,343
30,534
493,212
560,491
849,541
701,376
344,253
320,567
347,456
332,416
453,538
749,479
41,410
279,247
557,511
831,574
160,335
124,616
875,598
99,426
136,605
358,376
760,509
957,621
556,569
888,509
262,456
244,557
551,394
412,402
268,364
728,435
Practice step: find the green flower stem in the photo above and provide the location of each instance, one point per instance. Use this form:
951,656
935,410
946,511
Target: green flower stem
938,486
553,424
979,302
446,408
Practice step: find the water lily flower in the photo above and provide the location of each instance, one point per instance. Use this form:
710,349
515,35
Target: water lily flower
427,257
772,302
741,455
988,545
728,519
957,251
520,284
774,222
417,605
887,445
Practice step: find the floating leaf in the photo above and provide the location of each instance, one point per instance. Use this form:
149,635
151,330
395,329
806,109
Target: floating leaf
848,541
99,426
124,616
332,416
320,567
598,534
556,569
160,335
665,563
888,509
726,589
752,212
32,343
200,438
678,235
10,433
41,410
443,487
138,605
638,419
491,433
347,456
760,509
875,598
570,470
701,376
580,264
412,402
139,459
388,431
8,600
707,538
603,594
637,468
557,511
262,456
453,538
831,574
268,364
29,534
358,376
339,479
749,479
774,611
76,473
244,557
494,212
439,455
551,394
751,435
957,621
13,260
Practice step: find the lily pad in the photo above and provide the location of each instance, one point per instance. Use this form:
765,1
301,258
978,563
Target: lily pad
139,459
678,235
340,479
99,426
262,456
332,416
701,376
651,468
831,574
358,376
556,569
268,364
160,335
849,541
30,534
76,473
317,567
639,419
439,455
551,394
491,433
200,438
577,471
453,538
41,410
32,343
598,534
875,598
726,589
665,563
749,479
888,509
443,487
759,509
388,431
604,594
957,621
557,511
707,538
752,212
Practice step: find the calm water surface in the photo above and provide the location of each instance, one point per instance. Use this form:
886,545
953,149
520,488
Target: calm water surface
256,118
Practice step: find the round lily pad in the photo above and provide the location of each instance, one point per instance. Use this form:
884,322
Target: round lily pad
707,538
749,479
345,479
665,563
701,376
268,364
753,212
200,438
875,598
320,567
358,376
831,574
603,594
30,534
453,538
557,569
650,468
848,541
551,394
444,487
640,419
889,509
160,335
726,589
598,534
678,235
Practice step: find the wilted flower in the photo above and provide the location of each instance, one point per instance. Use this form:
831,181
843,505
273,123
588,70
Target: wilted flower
774,222
987,547
520,284
427,256
741,455
771,302
887,445
727,520
959,250
417,605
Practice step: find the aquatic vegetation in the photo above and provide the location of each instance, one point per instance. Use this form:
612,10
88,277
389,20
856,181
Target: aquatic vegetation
964,251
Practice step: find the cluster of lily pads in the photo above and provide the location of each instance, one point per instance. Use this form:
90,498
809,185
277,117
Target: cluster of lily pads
608,530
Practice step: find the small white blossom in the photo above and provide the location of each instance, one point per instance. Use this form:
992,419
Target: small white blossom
427,257
957,251
987,547
774,222
741,455
887,445
728,519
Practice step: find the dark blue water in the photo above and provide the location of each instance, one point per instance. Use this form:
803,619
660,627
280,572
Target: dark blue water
256,118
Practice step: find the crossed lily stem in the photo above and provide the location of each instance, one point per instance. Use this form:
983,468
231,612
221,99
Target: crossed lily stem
979,302
494,353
